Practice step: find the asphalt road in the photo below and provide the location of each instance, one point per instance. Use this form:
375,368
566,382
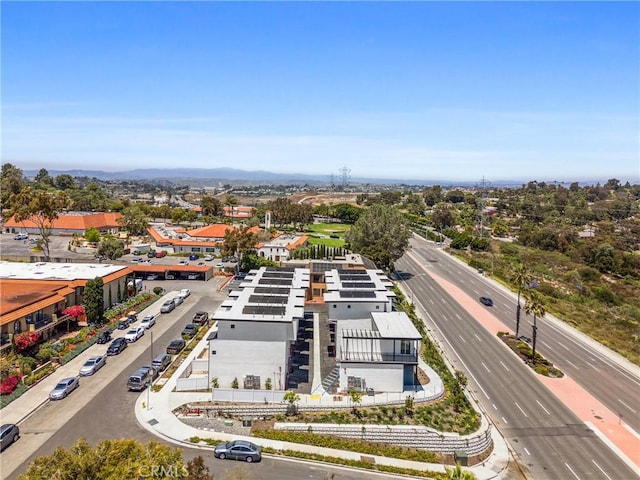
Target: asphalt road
548,440
615,387
102,408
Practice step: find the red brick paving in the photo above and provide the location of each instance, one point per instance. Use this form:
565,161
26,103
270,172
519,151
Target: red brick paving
581,402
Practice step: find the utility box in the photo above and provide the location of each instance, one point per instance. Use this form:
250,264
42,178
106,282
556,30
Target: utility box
246,421
461,457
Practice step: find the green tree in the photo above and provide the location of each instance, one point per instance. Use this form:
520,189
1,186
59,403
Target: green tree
292,398
92,234
211,206
65,182
43,180
12,180
381,233
42,208
356,399
238,241
109,460
93,300
110,247
134,220
535,307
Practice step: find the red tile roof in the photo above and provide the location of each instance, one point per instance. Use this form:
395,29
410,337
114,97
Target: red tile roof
80,221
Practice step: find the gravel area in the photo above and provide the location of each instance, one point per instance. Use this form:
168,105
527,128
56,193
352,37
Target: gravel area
215,424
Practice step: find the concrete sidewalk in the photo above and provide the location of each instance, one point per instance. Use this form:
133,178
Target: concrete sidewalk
154,411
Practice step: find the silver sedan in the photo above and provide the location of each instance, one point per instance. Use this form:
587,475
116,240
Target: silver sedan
64,388
92,365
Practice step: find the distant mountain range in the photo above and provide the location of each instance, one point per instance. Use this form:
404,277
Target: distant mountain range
232,176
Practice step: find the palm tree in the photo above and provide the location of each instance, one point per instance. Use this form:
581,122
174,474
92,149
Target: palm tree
521,279
534,307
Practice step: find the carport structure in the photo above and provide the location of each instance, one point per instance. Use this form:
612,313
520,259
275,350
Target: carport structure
173,272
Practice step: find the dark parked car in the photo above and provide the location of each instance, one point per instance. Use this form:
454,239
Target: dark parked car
201,318
9,433
194,256
118,345
175,347
104,337
189,330
525,339
239,450
486,301
64,388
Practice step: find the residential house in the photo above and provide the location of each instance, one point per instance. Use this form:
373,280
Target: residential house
279,248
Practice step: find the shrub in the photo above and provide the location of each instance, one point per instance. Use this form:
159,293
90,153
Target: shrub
9,384
34,377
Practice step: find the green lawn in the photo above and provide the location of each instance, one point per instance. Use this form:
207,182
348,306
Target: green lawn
320,234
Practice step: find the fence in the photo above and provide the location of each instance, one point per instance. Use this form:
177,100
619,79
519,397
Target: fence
247,396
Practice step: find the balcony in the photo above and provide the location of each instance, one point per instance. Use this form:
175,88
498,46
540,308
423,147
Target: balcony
378,357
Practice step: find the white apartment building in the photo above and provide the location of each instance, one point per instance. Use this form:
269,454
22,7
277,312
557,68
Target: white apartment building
256,326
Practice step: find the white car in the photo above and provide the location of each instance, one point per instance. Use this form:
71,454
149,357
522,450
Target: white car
134,334
184,293
208,258
178,300
148,322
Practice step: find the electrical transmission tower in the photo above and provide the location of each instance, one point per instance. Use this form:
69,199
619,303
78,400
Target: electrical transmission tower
332,181
345,175
483,186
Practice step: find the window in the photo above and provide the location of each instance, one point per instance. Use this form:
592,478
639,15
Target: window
17,328
232,326
405,347
348,306
213,352
335,306
377,307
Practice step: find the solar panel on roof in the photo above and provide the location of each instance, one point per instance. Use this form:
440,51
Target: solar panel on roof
344,271
277,275
263,310
359,278
275,281
279,269
268,299
357,294
358,284
272,290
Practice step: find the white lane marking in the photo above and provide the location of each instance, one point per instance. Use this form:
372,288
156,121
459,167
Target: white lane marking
459,317
476,335
520,408
431,300
546,345
476,292
595,368
564,346
504,420
599,468
462,339
505,367
485,367
542,407
443,300
432,289
573,364
571,470
527,451
494,406
445,318
627,406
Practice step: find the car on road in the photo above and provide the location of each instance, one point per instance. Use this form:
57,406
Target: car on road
201,318
194,256
104,337
117,346
21,236
161,254
148,321
134,334
161,362
193,276
189,330
64,388
525,339
239,450
141,378
219,265
486,301
168,306
92,365
208,258
183,262
9,434
178,300
184,293
136,260
176,347
151,255
153,276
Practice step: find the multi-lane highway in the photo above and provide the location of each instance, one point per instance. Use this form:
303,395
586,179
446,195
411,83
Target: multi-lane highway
548,439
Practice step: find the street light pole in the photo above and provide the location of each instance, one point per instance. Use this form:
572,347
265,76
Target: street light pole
152,374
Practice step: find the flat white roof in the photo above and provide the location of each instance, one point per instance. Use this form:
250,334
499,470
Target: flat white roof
233,308
56,271
395,325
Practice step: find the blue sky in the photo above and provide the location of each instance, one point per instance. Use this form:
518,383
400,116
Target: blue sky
410,90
